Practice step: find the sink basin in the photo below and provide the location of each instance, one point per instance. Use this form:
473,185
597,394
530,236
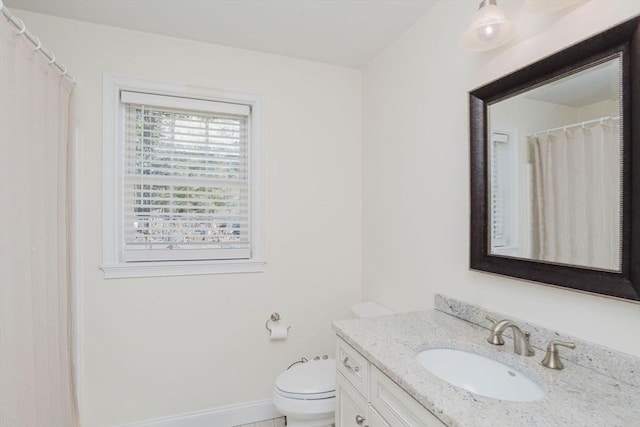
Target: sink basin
480,375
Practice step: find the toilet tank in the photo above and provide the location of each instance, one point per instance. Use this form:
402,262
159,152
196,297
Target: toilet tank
369,309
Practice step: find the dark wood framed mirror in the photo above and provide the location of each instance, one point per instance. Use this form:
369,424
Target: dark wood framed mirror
555,168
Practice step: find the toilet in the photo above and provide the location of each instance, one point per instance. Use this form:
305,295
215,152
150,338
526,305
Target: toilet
306,392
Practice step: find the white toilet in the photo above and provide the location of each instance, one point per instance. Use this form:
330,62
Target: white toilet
306,392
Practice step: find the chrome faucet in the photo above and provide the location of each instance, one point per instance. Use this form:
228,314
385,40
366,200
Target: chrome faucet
520,339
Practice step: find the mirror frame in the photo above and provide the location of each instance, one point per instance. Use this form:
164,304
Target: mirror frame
622,39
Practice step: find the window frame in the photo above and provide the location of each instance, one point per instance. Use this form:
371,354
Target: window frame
114,265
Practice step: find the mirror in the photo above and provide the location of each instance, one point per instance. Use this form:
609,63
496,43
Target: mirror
552,169
555,181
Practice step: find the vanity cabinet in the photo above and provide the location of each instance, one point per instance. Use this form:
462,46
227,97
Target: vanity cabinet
367,397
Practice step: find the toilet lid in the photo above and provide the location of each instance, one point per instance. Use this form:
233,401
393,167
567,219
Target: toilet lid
312,380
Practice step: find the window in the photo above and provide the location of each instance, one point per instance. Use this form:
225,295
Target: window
182,176
503,196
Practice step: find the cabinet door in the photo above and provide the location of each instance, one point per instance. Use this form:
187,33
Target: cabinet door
350,406
375,420
396,406
352,410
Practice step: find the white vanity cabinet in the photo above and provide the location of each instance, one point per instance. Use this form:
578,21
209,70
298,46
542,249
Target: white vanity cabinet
367,397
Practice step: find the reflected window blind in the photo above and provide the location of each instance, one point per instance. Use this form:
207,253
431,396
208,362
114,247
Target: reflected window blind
499,189
186,179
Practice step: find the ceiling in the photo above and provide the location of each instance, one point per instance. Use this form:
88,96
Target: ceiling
341,32
589,86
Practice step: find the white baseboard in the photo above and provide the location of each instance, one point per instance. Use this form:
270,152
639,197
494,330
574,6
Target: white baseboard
227,416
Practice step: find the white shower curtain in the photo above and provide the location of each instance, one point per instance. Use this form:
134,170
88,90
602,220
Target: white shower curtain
36,375
576,196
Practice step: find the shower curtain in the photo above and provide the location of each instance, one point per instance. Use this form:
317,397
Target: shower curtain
576,196
36,381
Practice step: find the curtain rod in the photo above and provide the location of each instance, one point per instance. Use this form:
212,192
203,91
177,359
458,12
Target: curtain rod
579,124
22,30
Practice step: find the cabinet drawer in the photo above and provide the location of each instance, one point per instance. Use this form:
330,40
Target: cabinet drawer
396,406
353,366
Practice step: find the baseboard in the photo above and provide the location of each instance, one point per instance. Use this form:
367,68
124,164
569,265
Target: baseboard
227,416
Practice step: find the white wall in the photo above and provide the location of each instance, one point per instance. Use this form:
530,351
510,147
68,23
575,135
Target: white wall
416,170
163,346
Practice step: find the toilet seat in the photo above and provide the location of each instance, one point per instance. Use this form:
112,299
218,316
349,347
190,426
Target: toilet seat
306,396
313,380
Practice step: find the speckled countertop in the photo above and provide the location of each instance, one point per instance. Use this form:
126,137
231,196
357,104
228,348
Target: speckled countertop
576,396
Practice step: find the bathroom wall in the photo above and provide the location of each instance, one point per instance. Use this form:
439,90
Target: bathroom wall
153,347
416,171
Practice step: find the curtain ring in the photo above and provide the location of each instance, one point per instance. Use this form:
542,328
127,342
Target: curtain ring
22,24
64,71
39,44
53,58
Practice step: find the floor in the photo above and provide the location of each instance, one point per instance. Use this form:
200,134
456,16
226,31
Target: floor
276,422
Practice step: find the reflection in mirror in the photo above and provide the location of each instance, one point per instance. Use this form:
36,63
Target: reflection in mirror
555,176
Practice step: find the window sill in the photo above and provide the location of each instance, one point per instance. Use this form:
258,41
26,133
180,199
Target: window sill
181,268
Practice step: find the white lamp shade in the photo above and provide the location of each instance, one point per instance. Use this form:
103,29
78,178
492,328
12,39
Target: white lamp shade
547,6
489,29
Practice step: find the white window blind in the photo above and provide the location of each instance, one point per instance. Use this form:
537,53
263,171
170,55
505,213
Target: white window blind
186,179
500,189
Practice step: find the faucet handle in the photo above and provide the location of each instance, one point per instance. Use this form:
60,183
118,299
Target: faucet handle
551,359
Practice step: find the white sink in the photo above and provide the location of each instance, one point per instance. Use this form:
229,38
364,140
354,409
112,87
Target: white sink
480,375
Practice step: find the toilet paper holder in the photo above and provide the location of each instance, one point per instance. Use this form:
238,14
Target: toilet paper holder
275,317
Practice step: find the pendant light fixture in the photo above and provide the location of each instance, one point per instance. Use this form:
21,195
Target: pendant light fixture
489,28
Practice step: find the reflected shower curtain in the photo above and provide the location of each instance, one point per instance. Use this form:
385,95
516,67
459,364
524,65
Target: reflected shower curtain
576,196
36,381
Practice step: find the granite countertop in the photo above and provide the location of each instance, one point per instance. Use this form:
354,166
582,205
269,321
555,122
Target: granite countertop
576,395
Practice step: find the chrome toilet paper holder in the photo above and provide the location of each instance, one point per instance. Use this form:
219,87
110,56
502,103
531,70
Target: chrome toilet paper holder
275,317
